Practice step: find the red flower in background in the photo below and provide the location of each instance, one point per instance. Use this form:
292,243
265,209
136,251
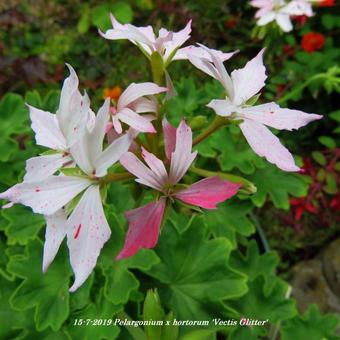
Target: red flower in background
327,3
312,42
113,93
300,19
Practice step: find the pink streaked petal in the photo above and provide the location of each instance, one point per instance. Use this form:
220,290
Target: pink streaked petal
144,225
182,157
56,229
46,196
87,232
156,165
136,121
208,192
144,175
267,145
169,132
46,128
249,80
135,91
41,167
272,115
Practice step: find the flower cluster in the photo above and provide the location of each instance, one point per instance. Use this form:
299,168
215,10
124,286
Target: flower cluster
282,11
88,151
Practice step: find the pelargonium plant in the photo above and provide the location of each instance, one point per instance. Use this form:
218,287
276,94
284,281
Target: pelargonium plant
282,11
132,140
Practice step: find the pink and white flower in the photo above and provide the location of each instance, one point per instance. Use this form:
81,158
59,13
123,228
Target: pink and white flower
86,228
59,131
131,103
242,85
166,44
144,222
281,11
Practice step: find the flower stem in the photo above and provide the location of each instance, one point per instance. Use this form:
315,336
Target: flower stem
247,186
116,177
300,88
215,125
136,332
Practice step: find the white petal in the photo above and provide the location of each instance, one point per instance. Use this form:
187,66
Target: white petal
136,121
55,232
87,232
41,167
182,157
283,119
142,105
46,196
199,52
112,154
266,18
283,20
73,109
249,80
267,145
222,107
46,128
135,91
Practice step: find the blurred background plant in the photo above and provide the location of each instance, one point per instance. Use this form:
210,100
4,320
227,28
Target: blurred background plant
296,215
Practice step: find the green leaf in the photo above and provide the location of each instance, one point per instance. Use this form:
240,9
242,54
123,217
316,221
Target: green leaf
319,157
22,225
203,334
311,325
278,185
100,312
47,292
120,282
14,118
230,219
101,14
235,152
328,142
261,305
194,272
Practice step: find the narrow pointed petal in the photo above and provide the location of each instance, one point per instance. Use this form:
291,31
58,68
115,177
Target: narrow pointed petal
249,80
272,115
97,134
267,145
112,154
56,229
169,132
46,128
199,52
80,153
155,164
135,91
222,107
41,167
46,196
283,20
266,18
208,192
136,121
182,157
144,225
73,112
144,175
87,232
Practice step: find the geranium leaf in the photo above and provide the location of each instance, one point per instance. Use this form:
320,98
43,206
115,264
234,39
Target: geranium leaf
278,185
194,271
311,325
47,292
22,226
